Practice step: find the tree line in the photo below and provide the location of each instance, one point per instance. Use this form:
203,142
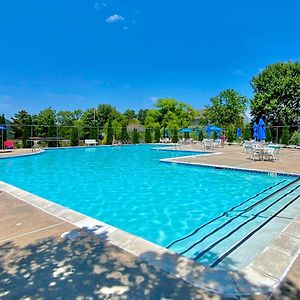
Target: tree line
276,99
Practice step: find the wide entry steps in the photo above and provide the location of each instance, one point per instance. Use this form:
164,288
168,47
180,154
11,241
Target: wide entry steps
215,240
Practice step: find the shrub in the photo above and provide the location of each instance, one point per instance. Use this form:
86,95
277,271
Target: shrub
268,135
124,134
104,141
110,133
157,135
285,135
247,134
230,136
200,136
135,136
26,133
94,133
148,138
175,136
74,136
295,138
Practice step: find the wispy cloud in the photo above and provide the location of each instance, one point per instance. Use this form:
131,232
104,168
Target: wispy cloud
239,73
125,28
98,5
153,99
114,18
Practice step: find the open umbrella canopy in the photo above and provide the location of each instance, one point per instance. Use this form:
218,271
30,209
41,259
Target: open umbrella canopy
185,130
261,130
255,131
215,128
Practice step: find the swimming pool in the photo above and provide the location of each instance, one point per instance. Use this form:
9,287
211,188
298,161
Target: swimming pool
187,209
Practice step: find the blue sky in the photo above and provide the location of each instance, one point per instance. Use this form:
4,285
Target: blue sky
80,53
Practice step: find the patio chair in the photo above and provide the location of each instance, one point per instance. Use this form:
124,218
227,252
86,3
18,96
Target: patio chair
272,153
251,152
217,143
208,144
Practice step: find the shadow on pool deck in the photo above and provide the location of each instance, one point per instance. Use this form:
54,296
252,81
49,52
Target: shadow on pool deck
89,267
35,262
84,268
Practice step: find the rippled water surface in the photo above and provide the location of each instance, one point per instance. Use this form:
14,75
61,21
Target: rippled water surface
129,188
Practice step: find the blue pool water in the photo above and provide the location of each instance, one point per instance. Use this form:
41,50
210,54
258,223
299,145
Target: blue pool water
128,187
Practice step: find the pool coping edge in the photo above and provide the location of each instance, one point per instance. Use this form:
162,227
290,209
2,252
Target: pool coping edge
248,281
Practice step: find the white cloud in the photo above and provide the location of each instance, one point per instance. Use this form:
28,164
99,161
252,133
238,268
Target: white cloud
153,99
125,28
114,18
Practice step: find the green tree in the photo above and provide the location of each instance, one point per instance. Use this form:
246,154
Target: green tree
157,135
247,133
124,133
148,138
268,134
18,121
135,136
277,94
129,115
200,136
141,116
295,138
227,108
46,125
106,112
174,113
110,133
285,137
175,135
74,136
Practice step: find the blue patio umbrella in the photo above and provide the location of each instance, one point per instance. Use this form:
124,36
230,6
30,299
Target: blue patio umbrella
165,135
185,130
239,132
255,131
213,128
261,130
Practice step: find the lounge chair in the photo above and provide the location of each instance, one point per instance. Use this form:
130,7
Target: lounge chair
9,145
91,142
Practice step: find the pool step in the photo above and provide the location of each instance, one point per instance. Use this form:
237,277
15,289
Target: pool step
215,239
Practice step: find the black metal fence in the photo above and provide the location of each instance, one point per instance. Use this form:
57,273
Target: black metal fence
64,136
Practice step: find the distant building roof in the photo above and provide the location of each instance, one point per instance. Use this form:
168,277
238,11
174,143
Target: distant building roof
138,127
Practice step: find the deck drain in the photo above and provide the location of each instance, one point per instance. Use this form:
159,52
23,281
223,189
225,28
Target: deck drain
70,235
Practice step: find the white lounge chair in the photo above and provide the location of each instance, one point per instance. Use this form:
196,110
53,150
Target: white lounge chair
91,142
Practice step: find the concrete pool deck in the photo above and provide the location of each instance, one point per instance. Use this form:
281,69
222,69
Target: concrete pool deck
233,156
90,266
